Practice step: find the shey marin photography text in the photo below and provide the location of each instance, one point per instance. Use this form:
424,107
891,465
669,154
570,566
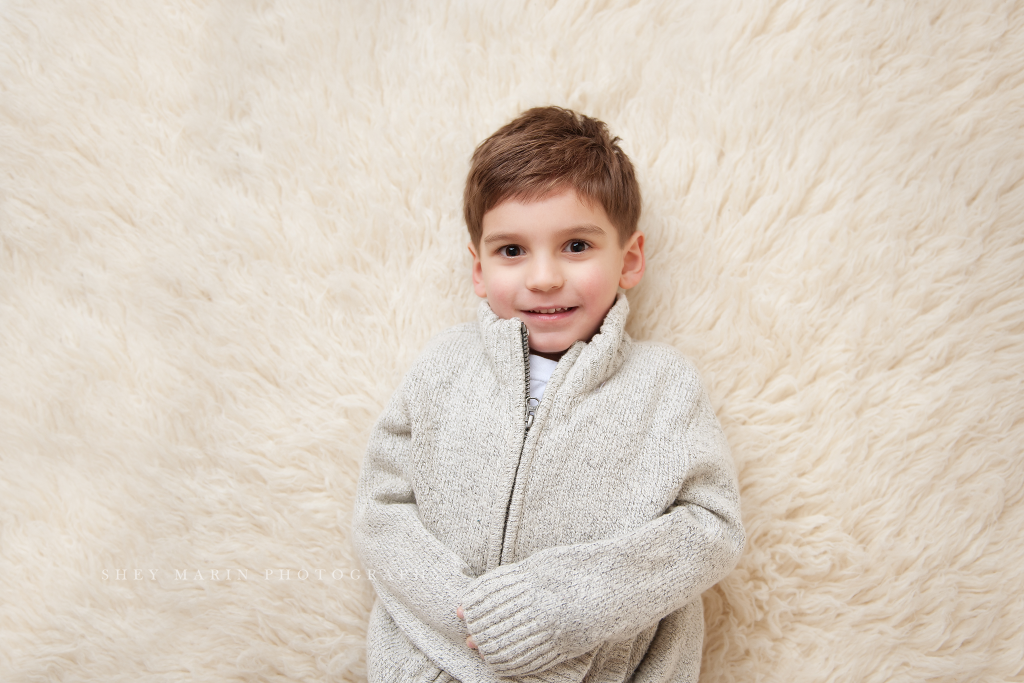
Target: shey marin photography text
246,574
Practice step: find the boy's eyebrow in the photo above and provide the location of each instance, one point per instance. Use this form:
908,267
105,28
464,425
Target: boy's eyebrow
583,230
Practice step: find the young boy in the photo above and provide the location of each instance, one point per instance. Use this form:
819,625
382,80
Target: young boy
545,499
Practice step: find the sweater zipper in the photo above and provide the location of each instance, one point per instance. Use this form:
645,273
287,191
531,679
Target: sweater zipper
530,409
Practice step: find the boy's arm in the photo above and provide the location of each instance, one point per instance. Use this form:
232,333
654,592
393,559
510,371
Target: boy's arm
407,564
418,579
564,600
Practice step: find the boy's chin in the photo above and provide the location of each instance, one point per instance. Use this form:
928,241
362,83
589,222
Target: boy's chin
548,348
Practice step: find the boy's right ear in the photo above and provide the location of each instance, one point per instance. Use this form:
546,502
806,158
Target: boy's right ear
478,274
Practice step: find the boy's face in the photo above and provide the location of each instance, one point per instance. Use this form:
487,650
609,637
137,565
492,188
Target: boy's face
554,263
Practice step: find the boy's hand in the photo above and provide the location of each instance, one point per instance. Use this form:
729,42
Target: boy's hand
469,640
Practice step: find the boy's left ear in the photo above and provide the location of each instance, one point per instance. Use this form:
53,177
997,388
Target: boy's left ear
478,274
633,262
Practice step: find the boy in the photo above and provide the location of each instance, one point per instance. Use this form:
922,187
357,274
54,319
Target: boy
543,498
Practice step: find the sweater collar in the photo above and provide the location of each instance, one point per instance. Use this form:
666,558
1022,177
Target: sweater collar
589,363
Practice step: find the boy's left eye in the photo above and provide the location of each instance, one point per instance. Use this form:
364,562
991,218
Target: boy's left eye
576,246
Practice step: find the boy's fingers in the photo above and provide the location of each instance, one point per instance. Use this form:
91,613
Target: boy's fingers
469,640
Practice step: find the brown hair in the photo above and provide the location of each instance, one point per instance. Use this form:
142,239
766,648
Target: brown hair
544,150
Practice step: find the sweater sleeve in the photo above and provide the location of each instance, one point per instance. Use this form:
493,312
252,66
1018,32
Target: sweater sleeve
419,580
565,600
408,566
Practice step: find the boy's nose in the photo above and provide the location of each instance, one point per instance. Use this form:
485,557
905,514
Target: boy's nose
544,275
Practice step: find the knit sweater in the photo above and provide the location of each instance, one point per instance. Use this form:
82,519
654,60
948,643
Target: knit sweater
577,534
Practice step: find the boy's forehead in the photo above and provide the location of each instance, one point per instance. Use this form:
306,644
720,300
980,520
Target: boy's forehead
560,192
565,211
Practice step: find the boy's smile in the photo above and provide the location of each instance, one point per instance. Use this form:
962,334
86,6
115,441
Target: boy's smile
555,263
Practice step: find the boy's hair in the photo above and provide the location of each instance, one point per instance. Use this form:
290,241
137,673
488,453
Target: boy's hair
545,150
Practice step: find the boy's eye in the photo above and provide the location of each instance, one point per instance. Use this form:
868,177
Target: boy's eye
576,246
511,251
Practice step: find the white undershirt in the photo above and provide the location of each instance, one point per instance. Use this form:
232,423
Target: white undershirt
540,372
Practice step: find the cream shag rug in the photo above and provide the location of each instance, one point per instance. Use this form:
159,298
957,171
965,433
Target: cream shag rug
228,227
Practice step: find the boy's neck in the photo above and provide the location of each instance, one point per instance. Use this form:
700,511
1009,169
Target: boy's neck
550,356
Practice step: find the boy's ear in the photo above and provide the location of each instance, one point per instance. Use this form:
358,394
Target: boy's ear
478,274
633,262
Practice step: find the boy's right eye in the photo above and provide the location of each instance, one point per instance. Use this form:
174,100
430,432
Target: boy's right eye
510,251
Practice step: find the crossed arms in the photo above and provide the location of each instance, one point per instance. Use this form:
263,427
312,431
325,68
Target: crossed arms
542,618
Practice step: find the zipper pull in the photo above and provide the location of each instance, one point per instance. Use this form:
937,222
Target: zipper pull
531,408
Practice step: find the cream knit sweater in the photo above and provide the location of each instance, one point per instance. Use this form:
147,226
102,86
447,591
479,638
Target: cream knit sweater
578,546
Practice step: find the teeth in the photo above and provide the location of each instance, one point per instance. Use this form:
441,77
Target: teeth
550,310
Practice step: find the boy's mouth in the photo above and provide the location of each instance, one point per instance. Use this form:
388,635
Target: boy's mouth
550,314
551,311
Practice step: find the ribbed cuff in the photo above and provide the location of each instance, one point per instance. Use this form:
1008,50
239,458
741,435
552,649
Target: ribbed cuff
511,630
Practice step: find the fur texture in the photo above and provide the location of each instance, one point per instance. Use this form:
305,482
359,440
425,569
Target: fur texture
227,229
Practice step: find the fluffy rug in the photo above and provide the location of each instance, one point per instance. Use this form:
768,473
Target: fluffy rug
228,227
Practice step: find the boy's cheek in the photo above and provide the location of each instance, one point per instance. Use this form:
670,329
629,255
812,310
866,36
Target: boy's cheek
499,294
